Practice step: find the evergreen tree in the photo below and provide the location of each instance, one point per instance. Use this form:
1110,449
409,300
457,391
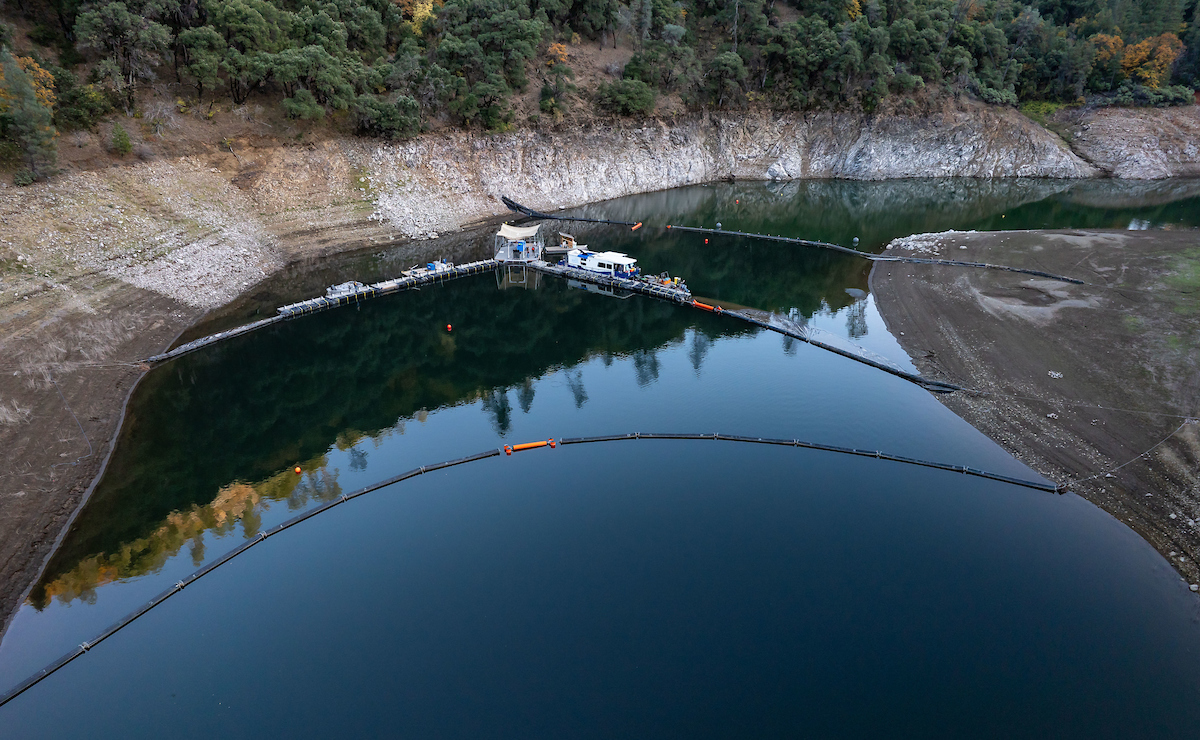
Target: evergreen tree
130,40
120,140
30,123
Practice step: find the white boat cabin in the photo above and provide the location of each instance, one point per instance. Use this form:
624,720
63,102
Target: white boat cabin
607,263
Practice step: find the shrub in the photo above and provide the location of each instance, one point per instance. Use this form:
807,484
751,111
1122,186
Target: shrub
626,97
1041,110
120,140
391,120
1132,95
81,107
994,96
22,178
302,104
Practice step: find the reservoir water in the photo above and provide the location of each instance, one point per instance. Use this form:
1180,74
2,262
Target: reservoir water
633,588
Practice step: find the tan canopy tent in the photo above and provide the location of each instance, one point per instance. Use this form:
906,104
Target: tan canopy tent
518,233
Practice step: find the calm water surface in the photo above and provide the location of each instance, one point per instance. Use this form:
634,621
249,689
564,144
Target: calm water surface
628,588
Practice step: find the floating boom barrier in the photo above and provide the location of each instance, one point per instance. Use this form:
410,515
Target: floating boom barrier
507,450
878,257
413,279
661,290
518,208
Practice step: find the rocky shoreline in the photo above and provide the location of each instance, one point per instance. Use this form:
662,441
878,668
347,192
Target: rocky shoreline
1094,385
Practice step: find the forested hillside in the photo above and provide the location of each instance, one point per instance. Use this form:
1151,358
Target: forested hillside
395,66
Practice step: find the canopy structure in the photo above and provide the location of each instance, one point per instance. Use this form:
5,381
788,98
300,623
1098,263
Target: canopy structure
518,233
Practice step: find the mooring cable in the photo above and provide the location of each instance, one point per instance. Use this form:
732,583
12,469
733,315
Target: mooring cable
507,450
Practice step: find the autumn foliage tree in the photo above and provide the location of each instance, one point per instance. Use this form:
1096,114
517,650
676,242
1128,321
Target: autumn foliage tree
1149,62
26,115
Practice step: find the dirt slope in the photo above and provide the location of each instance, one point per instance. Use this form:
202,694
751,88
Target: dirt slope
1096,385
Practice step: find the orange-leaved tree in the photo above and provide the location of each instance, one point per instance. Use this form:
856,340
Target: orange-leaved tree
41,80
1149,61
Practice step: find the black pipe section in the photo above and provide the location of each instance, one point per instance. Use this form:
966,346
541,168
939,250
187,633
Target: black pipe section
934,386
518,208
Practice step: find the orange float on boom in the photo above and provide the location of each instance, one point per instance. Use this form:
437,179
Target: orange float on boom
510,449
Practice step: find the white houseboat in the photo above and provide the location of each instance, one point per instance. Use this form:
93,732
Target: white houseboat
606,263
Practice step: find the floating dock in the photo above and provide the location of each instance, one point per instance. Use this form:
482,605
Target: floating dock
414,278
664,289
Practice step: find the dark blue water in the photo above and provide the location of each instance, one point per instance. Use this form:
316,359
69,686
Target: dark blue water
666,589
634,588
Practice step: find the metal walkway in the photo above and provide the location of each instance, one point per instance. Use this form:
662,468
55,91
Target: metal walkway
650,287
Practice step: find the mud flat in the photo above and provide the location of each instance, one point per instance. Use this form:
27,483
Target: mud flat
1096,385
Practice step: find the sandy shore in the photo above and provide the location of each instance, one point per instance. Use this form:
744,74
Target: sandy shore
1096,385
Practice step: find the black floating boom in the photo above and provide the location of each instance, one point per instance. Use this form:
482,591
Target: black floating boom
346,497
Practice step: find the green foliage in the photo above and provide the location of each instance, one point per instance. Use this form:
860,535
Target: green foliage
26,121
725,75
23,178
1131,95
484,45
302,104
397,119
465,60
43,35
1041,110
79,106
120,142
589,18
553,97
131,41
626,98
199,54
665,66
994,96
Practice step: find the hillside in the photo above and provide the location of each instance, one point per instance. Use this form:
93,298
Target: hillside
129,77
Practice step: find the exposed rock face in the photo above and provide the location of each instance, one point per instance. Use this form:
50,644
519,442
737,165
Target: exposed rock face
427,184
1142,144
276,204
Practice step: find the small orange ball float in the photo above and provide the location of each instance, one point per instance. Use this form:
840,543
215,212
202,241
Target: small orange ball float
449,328
297,470
706,241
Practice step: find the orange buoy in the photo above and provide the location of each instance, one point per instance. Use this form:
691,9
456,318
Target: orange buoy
737,201
706,241
297,470
449,328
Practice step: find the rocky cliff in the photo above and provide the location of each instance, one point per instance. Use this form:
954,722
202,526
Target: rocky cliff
432,183
1140,144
